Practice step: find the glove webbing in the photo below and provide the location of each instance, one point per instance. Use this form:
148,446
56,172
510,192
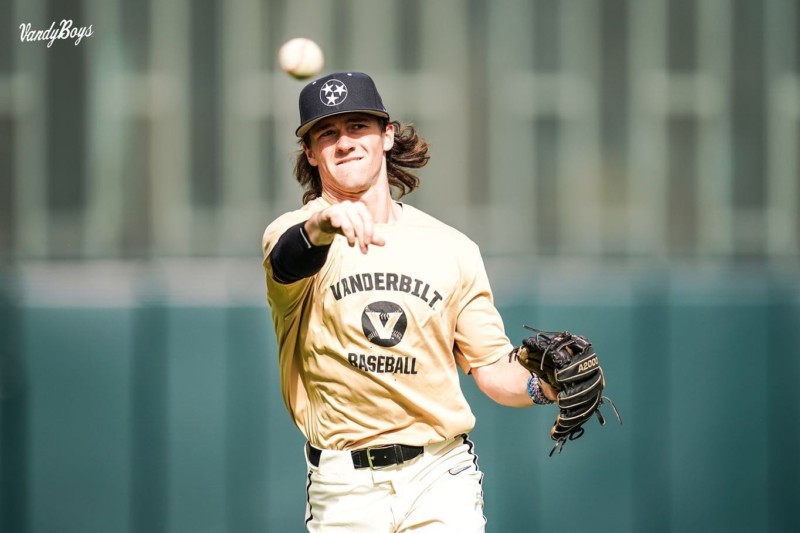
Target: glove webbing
578,431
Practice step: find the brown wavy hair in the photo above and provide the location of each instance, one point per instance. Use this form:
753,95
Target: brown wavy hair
410,151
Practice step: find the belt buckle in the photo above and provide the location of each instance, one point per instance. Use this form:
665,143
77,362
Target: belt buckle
369,457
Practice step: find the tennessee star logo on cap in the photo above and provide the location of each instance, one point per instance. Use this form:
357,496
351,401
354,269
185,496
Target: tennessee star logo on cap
333,93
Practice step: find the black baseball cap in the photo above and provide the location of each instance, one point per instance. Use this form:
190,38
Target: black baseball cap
337,93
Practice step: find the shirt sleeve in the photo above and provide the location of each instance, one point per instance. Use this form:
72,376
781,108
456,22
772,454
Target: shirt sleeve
282,296
480,337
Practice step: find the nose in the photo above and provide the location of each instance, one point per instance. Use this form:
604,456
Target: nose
344,143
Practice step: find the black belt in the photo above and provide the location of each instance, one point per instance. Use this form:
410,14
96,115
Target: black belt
374,457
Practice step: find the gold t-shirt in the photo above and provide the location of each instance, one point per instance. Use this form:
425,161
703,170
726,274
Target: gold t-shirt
368,347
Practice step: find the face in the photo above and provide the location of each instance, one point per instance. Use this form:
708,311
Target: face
349,152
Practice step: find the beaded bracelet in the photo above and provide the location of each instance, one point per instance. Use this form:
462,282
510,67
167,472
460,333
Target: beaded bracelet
535,391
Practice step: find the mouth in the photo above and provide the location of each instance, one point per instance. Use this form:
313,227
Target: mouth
348,160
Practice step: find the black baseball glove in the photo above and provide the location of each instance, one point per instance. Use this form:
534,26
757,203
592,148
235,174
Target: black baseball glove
569,364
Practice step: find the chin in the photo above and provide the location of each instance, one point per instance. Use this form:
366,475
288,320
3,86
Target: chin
353,178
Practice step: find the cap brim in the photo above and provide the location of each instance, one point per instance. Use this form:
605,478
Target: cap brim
304,128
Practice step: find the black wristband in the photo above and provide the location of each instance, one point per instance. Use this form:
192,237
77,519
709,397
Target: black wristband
294,257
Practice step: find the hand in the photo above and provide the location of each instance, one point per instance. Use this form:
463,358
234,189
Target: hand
351,219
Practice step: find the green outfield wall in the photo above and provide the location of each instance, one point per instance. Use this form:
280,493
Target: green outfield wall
161,416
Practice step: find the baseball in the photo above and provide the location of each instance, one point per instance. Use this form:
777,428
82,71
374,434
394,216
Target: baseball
301,58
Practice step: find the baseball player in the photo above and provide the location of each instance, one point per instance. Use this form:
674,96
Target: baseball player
376,305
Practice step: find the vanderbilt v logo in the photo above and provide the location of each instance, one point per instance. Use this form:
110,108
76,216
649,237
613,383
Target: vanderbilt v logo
384,330
384,323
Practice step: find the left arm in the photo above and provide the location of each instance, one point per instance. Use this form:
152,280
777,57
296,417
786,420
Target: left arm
506,382
479,334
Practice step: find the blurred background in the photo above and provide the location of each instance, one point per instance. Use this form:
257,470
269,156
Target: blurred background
628,167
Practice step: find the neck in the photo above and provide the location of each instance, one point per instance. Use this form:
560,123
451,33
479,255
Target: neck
379,203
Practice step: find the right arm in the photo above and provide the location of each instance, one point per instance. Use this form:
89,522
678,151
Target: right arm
303,248
295,256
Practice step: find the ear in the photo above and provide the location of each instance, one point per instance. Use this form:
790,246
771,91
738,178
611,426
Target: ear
388,137
310,156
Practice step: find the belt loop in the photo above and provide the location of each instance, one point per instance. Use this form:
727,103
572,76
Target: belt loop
314,455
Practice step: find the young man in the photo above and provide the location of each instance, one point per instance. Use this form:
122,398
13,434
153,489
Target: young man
376,305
